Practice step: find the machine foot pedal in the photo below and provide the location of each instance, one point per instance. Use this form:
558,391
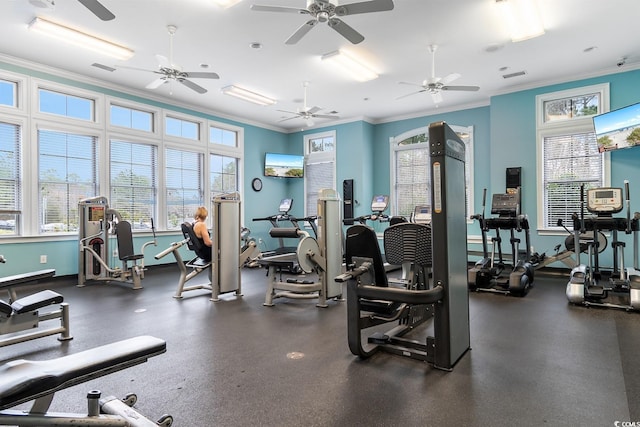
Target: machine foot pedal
301,282
378,338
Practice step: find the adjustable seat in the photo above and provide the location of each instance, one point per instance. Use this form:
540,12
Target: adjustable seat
125,243
203,258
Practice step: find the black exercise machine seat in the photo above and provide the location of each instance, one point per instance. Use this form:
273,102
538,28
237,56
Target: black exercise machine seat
31,303
362,242
21,279
125,242
408,242
25,380
195,244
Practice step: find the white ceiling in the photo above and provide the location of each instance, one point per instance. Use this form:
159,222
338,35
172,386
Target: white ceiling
470,38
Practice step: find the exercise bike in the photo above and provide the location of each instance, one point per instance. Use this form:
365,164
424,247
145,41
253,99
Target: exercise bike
494,275
590,284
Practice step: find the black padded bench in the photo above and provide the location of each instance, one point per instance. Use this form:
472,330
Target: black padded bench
25,380
10,282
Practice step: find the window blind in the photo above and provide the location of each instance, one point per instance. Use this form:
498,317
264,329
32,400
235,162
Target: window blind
10,177
319,175
570,161
184,180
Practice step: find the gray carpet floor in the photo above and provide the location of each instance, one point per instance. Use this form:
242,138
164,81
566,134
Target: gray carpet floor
534,361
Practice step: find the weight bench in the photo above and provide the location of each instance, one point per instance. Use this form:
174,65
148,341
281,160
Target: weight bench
26,313
38,381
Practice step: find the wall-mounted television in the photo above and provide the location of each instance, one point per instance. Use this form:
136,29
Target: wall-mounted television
284,165
618,129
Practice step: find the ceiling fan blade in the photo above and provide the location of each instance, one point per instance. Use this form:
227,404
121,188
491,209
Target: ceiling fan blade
126,67
199,75
324,116
465,88
364,7
289,112
192,85
156,83
345,30
288,118
301,31
312,110
449,78
410,94
98,9
263,8
437,97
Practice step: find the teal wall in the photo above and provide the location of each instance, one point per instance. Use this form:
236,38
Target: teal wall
504,136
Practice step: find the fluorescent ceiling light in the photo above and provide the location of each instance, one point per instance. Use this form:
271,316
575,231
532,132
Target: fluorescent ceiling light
247,95
226,3
81,39
349,64
522,19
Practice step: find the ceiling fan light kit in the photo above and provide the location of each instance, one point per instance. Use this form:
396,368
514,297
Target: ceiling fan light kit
346,62
522,18
247,95
78,38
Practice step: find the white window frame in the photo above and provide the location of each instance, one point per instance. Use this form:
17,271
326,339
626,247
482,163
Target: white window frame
98,121
21,93
155,113
575,125
318,157
469,160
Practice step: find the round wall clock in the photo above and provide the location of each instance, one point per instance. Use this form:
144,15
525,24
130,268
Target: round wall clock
256,184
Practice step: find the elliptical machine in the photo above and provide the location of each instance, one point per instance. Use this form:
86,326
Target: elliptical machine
590,284
487,274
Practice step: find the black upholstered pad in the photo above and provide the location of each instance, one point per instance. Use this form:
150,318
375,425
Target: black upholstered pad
408,242
36,301
18,279
24,380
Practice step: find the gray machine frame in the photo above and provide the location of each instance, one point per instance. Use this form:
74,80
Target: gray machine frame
449,295
323,256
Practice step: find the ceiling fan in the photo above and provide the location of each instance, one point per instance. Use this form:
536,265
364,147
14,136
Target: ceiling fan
435,85
93,5
306,113
326,11
170,72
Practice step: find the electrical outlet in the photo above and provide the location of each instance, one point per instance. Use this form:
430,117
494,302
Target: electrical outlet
43,259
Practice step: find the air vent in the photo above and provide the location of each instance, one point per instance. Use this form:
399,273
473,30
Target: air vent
516,74
103,67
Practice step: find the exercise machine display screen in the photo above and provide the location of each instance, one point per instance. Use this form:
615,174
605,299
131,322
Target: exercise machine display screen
505,204
379,203
96,213
604,200
285,205
422,214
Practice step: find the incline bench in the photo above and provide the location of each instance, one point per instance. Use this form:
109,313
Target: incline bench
25,381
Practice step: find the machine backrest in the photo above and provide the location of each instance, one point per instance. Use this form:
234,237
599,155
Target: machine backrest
362,241
408,242
194,243
125,240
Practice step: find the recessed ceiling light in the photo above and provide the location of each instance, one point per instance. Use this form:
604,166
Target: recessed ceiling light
204,65
493,48
590,49
255,45
503,68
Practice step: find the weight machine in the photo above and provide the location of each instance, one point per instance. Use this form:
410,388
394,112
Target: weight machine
97,221
225,264
591,284
322,256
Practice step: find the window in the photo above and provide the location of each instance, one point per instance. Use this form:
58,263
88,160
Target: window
568,156
320,165
223,136
131,118
224,174
8,93
10,179
184,182
66,105
411,175
182,128
134,182
67,174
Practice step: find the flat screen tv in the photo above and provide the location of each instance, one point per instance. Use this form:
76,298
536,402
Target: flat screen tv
618,129
284,165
